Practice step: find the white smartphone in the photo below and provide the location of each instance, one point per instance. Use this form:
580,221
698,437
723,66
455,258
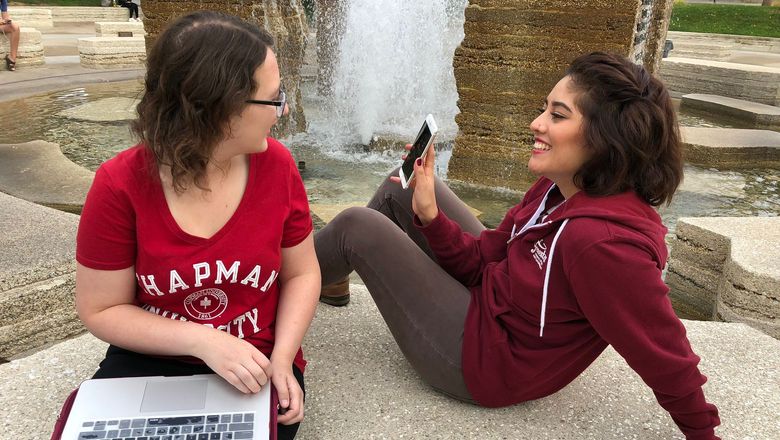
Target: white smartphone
422,142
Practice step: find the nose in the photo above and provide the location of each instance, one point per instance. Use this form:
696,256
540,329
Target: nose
286,110
537,125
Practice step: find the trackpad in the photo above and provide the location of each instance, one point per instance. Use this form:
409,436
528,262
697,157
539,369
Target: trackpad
174,395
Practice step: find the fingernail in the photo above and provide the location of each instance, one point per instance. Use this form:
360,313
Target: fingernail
418,161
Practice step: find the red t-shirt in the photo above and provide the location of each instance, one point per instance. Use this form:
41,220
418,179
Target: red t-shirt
228,281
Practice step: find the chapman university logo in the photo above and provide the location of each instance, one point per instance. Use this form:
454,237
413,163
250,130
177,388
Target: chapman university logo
539,252
206,304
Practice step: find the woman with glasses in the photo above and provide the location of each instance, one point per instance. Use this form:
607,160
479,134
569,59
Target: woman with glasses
195,250
498,317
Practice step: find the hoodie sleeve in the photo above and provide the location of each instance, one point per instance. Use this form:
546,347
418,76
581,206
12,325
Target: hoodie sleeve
619,288
461,254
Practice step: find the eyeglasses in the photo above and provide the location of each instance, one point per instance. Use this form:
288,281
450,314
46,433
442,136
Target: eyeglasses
279,104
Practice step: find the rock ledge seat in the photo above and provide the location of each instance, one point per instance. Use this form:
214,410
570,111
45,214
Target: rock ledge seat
750,114
359,386
726,268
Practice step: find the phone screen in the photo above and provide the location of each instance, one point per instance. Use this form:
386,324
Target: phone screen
417,150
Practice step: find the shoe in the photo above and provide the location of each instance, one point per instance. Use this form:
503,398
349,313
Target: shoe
10,65
336,294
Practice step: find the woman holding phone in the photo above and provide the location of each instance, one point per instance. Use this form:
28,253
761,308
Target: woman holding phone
503,316
195,248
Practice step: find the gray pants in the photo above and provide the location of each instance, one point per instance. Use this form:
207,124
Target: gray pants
424,307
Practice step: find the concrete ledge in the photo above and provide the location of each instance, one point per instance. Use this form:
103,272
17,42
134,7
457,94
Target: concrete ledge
731,148
112,52
746,113
76,14
741,81
37,248
113,28
30,48
726,268
360,386
39,18
727,42
38,172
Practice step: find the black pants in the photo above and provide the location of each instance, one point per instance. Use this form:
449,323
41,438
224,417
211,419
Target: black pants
124,363
132,7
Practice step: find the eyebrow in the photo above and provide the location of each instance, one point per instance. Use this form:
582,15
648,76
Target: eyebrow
559,103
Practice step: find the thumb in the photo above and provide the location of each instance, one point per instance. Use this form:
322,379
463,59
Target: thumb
282,392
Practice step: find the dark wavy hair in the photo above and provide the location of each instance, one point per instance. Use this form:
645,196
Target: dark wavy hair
200,71
630,126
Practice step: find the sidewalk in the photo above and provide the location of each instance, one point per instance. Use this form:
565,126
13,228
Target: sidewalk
62,68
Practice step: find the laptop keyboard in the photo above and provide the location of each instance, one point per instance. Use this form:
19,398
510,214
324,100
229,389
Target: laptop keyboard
196,427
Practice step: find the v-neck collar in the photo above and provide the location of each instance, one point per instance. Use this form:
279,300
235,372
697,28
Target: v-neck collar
173,226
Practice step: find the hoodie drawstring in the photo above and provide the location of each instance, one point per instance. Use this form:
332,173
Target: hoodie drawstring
547,277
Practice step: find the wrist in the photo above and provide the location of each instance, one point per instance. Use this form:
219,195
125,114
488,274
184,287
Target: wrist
427,216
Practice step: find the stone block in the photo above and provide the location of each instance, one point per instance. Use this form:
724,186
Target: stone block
37,248
30,48
741,81
731,148
112,52
39,18
748,283
728,42
80,14
745,113
38,172
113,28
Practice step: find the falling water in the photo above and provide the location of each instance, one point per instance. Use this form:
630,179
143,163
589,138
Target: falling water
394,67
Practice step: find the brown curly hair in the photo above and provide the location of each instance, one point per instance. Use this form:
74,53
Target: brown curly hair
630,127
200,71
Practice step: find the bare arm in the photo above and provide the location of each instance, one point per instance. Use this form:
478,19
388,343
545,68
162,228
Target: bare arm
105,302
300,286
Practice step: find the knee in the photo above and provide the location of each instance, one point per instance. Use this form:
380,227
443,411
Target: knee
362,226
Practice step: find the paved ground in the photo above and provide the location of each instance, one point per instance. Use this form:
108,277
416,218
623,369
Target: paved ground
359,386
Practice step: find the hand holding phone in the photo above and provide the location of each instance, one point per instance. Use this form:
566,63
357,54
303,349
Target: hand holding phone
420,146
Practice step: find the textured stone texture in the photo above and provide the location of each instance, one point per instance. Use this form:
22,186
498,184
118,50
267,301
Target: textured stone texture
359,386
39,18
37,247
112,28
38,172
684,40
112,52
726,268
746,113
741,81
284,19
731,148
78,14
30,48
513,53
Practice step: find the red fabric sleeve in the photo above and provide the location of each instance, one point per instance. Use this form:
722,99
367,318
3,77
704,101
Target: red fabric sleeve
618,285
298,224
106,238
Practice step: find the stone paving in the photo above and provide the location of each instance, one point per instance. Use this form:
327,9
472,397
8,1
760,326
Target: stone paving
359,384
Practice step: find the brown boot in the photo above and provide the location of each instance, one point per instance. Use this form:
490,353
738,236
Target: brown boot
336,294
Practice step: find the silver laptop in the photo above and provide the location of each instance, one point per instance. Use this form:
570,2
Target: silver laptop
168,408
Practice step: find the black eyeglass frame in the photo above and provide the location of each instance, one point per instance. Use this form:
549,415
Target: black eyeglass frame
278,104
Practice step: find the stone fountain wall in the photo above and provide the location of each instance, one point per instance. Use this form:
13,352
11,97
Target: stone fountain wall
513,53
284,19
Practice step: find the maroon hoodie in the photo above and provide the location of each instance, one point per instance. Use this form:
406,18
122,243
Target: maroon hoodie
549,295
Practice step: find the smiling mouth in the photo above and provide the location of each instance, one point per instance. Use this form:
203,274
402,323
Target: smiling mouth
541,146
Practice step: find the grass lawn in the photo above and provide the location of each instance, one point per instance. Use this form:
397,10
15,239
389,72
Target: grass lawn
757,21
